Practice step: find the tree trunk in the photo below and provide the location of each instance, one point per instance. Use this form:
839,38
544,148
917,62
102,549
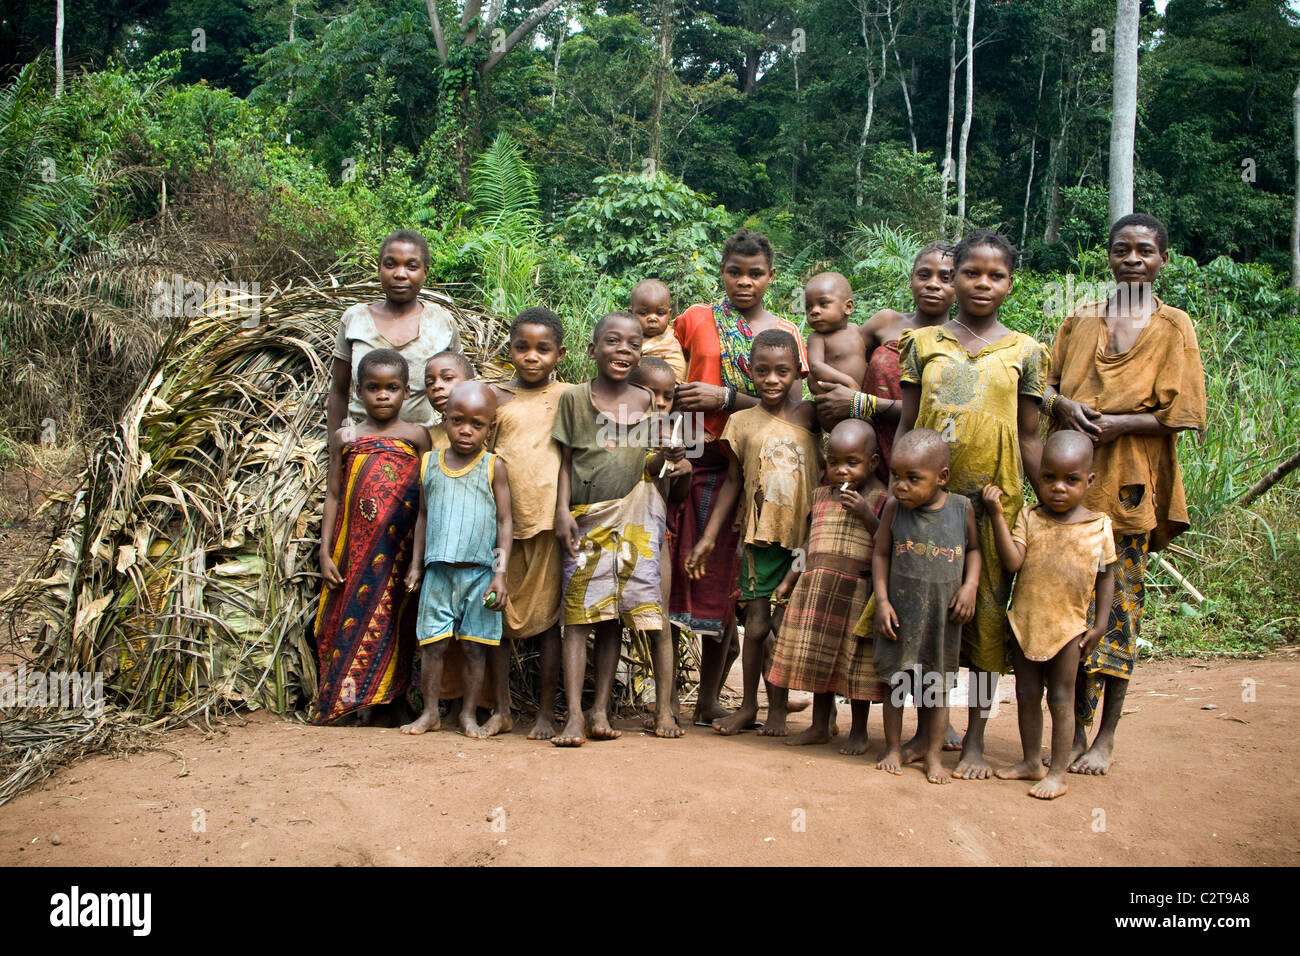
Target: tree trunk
1295,215
663,65
1123,117
952,112
965,123
58,47
555,66
1033,154
862,144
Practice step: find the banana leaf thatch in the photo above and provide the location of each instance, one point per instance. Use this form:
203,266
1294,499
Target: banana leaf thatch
183,567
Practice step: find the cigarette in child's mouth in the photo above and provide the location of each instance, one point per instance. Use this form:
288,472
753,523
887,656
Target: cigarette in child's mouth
844,487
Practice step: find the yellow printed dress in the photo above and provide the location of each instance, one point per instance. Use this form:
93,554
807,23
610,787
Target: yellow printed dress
972,401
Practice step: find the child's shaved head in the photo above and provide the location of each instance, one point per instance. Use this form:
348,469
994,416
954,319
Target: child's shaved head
651,289
830,281
853,433
1068,449
924,446
472,396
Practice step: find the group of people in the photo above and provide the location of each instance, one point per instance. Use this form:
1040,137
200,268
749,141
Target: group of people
856,503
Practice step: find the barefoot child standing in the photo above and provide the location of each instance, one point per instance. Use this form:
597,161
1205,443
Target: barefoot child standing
367,533
609,519
464,510
776,460
925,568
656,375
815,650
526,409
1062,555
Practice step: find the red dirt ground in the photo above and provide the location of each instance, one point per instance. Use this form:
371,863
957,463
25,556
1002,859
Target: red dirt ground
1189,786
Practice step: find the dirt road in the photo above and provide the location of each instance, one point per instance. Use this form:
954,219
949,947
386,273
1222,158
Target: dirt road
1189,786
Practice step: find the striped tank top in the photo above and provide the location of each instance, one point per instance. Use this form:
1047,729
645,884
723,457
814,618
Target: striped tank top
461,511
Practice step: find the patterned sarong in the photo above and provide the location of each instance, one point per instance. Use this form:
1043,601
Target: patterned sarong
616,573
1114,654
365,637
705,605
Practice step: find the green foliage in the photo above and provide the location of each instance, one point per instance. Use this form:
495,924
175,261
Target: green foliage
637,226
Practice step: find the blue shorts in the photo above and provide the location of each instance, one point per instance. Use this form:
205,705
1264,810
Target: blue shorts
451,605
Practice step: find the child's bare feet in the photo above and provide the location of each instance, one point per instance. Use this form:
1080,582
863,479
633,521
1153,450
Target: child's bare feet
855,745
1077,748
974,767
705,716
1050,787
913,750
471,727
499,724
665,725
573,734
425,722
951,739
543,728
1096,760
735,723
813,735
934,771
775,725
598,727
1024,770
891,762
798,703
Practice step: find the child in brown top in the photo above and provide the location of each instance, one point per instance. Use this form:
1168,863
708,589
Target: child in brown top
526,407
442,373
835,352
775,457
1063,554
652,304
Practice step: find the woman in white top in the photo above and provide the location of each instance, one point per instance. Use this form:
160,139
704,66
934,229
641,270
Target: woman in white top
401,321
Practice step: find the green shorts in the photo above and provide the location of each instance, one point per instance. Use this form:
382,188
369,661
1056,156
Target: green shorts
761,569
451,605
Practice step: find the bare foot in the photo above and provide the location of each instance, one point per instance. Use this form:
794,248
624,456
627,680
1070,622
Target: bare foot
543,728
499,724
1049,788
471,728
934,771
598,727
913,750
705,716
1096,760
813,735
1077,748
572,735
666,726
426,721
951,739
855,745
798,704
891,762
973,768
775,725
1025,770
737,722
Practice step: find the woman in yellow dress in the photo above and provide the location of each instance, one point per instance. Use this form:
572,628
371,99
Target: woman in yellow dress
979,385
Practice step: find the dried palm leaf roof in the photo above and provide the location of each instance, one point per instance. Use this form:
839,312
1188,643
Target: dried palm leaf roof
183,567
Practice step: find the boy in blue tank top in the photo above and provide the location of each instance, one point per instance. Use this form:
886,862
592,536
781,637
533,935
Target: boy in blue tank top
462,546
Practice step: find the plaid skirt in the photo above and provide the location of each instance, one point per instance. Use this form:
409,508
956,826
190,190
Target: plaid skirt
1114,654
